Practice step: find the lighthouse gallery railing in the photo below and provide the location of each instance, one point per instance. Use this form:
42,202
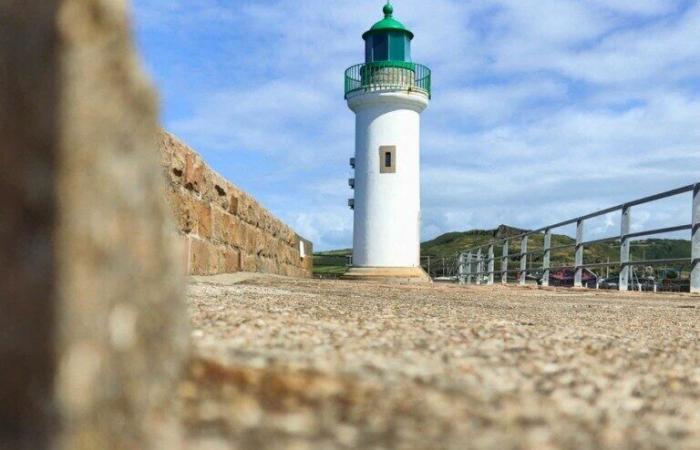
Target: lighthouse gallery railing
383,75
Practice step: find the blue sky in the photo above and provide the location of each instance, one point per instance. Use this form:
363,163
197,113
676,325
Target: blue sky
542,109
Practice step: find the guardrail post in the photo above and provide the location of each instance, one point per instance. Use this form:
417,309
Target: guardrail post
491,264
625,248
470,259
578,276
479,267
695,250
546,259
523,260
504,262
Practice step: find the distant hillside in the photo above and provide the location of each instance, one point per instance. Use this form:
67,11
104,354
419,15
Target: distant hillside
342,252
449,244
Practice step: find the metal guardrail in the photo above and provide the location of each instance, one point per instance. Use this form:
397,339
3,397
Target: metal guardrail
475,258
382,75
440,267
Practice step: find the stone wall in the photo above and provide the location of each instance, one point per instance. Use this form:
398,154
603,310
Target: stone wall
93,327
221,228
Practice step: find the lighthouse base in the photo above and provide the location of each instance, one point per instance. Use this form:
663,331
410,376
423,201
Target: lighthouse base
398,275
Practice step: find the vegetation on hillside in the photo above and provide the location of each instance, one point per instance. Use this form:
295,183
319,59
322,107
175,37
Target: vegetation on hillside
450,244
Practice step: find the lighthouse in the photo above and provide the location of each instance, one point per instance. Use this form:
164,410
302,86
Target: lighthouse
387,94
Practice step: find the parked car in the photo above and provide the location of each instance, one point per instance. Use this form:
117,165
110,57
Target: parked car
610,283
565,277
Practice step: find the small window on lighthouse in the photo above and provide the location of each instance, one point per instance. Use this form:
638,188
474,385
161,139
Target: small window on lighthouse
380,48
387,159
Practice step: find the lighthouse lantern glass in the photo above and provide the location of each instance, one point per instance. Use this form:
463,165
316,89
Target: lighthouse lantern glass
389,46
380,47
397,50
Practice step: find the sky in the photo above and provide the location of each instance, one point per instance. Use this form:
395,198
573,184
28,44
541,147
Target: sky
542,110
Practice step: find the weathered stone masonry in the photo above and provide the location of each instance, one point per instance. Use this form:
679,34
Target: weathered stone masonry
223,229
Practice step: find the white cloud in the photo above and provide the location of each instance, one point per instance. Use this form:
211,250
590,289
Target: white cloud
637,7
327,230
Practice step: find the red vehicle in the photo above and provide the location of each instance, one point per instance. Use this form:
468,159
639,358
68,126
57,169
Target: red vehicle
565,277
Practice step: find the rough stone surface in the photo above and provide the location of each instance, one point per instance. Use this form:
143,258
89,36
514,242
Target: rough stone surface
28,135
226,229
308,364
93,323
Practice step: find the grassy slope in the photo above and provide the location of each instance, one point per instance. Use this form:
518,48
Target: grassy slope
449,244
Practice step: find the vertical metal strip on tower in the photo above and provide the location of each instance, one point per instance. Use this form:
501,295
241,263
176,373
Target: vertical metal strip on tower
625,247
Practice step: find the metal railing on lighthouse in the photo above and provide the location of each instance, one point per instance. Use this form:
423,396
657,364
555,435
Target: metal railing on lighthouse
388,75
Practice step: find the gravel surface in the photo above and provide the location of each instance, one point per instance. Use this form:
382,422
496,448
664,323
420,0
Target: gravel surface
308,364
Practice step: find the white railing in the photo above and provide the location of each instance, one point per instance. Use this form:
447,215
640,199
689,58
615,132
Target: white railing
477,265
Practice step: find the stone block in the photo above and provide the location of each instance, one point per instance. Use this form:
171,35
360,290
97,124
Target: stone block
221,226
199,256
216,259
185,244
177,158
233,204
216,190
237,232
253,241
183,209
202,211
194,172
232,261
248,263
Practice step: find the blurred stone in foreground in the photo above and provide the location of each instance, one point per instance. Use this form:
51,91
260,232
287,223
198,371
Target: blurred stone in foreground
92,331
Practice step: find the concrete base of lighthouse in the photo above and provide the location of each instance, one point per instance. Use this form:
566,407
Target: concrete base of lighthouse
392,275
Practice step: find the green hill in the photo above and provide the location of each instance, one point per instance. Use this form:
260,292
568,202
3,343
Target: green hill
450,244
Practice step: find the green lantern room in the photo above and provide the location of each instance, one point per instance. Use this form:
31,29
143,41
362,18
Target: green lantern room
388,64
388,39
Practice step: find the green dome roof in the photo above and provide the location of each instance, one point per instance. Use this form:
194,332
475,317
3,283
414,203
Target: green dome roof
388,23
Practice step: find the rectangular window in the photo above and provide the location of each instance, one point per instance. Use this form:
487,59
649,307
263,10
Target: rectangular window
380,46
397,49
387,159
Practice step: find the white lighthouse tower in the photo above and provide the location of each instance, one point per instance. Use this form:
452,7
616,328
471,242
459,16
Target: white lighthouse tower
387,94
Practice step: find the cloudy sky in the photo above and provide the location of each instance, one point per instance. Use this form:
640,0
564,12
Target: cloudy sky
542,109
